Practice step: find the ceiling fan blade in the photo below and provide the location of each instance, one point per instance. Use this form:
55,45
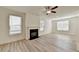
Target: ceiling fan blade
53,11
54,7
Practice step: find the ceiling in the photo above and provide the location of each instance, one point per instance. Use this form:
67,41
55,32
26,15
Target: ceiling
60,11
25,9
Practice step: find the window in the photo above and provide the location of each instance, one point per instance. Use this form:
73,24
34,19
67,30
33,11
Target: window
14,24
63,25
42,25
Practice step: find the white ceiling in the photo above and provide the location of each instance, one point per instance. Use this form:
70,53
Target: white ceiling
60,11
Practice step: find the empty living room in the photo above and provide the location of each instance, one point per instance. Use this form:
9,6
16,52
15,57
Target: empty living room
39,28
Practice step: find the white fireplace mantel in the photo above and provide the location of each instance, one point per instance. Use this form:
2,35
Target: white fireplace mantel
33,27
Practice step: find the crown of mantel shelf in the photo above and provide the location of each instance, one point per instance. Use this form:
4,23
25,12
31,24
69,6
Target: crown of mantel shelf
33,27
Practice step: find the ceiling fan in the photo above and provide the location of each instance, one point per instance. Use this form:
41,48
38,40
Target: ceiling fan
50,9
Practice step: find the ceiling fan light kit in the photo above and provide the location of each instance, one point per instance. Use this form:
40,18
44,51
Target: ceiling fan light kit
49,11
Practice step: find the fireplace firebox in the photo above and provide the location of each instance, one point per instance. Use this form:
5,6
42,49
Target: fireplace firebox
33,33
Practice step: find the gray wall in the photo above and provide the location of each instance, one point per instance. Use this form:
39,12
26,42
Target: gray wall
4,26
73,26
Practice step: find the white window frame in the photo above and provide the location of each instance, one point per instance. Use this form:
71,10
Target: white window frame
42,25
15,31
62,24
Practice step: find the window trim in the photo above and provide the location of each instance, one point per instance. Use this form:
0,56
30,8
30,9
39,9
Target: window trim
9,24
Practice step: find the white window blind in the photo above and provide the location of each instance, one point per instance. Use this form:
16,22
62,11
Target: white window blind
63,25
14,24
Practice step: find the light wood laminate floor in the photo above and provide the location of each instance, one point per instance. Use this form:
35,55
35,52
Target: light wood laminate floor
46,43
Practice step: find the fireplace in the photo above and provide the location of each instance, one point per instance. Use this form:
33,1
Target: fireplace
33,33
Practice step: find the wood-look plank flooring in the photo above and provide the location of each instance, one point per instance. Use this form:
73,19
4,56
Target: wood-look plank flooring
46,43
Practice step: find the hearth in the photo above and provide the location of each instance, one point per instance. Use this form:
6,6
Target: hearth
33,33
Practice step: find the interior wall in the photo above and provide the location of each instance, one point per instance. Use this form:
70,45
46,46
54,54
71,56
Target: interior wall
4,26
73,26
32,21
